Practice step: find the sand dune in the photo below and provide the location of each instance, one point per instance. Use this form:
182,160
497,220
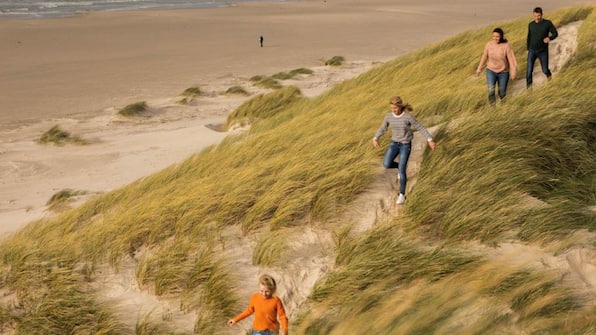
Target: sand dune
77,72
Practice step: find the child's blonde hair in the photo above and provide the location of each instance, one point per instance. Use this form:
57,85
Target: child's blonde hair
268,281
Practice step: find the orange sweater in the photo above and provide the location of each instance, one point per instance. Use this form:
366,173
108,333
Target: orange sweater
266,311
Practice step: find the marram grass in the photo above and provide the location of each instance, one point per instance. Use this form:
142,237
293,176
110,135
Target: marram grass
302,162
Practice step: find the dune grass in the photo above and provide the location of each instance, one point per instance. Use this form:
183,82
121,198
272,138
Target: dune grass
135,109
263,106
59,200
335,61
266,82
303,162
237,90
192,92
189,94
58,136
291,74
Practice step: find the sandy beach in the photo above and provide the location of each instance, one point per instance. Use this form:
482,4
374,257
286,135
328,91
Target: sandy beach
77,72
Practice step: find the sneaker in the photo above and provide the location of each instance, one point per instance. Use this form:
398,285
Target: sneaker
400,199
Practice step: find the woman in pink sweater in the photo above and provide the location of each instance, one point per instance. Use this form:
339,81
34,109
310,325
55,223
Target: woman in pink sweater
500,64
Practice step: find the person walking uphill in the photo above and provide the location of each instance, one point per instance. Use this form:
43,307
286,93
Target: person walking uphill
500,64
267,309
400,122
540,33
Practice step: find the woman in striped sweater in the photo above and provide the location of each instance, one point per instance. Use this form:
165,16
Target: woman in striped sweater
400,122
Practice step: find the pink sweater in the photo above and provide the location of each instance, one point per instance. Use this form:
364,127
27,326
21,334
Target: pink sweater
499,58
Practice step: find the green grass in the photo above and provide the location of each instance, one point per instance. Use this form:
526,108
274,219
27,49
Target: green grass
192,92
58,136
263,106
237,90
266,82
60,199
272,81
189,94
335,61
301,70
291,74
135,109
431,270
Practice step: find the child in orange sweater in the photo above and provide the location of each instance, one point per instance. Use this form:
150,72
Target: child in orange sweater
267,309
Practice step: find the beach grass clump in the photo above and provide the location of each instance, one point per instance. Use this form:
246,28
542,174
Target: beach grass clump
58,136
257,78
270,249
135,109
60,199
50,298
335,61
239,90
265,82
291,74
269,82
282,76
263,106
192,92
189,94
301,70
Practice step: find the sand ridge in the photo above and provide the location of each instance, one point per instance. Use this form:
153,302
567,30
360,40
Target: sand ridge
78,71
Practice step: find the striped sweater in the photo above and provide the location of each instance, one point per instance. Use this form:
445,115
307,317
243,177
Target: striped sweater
401,127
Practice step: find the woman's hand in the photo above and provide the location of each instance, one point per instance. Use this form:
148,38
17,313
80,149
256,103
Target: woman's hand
432,144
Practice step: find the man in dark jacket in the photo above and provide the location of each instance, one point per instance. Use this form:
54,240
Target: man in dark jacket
540,33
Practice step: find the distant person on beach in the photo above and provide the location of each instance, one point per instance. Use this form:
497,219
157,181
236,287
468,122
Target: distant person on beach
400,122
261,40
540,33
268,310
500,64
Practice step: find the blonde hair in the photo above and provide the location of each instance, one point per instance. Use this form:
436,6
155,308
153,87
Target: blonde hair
397,101
268,281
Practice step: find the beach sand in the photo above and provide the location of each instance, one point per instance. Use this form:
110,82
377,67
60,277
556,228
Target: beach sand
77,72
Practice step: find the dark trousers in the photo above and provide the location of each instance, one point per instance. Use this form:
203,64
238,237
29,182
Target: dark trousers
532,56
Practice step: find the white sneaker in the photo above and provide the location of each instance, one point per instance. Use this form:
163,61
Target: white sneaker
400,199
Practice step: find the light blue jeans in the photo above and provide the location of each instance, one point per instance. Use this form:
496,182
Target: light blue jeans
492,78
403,151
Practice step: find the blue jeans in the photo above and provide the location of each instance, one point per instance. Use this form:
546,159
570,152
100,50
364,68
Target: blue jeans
263,332
532,56
491,79
403,151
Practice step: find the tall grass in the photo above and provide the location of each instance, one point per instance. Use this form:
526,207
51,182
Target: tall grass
134,109
58,136
305,160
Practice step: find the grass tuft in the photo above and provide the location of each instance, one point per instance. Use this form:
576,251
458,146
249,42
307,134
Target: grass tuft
135,109
237,90
192,92
57,136
335,61
60,199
